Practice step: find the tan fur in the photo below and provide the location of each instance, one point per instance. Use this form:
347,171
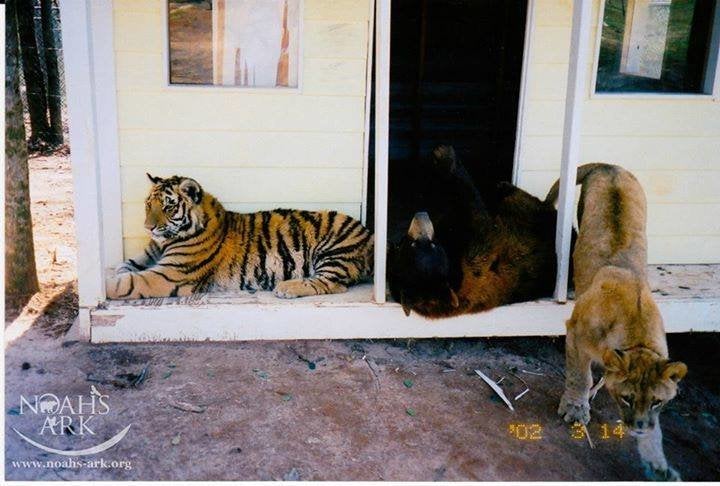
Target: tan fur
198,246
616,321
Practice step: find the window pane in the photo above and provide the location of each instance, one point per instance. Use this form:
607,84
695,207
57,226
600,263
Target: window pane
250,43
654,46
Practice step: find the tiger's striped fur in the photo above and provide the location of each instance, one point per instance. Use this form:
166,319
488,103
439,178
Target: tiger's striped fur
198,246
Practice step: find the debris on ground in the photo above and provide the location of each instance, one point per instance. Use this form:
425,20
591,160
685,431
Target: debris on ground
122,380
587,434
310,363
495,388
596,388
175,440
136,380
372,365
408,383
410,411
292,475
186,407
532,373
263,375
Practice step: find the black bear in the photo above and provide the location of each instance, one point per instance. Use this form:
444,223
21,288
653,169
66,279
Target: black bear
479,253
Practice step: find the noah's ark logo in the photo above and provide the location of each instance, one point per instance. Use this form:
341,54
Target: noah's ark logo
72,415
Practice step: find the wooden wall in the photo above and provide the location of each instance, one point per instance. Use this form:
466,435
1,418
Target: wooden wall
671,143
254,150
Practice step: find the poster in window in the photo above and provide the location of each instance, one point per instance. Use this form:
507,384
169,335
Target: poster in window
247,43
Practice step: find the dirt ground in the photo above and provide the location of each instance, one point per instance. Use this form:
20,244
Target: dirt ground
314,410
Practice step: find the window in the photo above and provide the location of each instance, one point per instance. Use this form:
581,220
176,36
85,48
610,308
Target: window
248,43
664,46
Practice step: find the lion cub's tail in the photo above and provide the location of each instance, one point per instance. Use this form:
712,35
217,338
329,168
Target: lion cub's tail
582,173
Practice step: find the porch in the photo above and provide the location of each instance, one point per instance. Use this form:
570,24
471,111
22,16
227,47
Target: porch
688,296
363,312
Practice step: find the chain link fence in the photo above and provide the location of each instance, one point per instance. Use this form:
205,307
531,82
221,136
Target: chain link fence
41,48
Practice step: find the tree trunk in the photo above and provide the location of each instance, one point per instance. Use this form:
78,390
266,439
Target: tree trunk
20,275
32,70
54,89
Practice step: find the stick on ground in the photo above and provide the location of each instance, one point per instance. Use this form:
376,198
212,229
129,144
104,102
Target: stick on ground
495,388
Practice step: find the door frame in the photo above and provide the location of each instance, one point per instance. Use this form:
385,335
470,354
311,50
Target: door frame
383,24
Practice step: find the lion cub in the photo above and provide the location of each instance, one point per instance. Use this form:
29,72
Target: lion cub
616,321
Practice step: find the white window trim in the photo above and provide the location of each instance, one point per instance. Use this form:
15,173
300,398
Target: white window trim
225,88
651,96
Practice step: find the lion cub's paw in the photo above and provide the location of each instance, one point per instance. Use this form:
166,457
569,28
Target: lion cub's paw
658,474
572,411
291,289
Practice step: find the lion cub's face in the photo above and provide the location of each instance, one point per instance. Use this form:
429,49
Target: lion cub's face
641,384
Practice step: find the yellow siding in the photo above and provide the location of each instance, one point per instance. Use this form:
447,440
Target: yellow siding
253,150
255,185
671,144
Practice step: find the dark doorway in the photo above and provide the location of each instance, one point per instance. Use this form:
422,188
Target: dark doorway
455,68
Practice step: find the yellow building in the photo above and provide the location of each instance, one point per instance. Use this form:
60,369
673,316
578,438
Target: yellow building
308,104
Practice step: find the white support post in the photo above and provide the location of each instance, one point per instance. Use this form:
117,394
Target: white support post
103,63
576,94
80,85
382,128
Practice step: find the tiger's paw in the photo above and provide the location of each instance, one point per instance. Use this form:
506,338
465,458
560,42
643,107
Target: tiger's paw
112,286
574,411
291,289
125,267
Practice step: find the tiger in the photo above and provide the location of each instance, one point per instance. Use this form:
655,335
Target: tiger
198,246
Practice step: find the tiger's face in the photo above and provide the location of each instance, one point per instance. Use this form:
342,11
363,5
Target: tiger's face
173,208
641,384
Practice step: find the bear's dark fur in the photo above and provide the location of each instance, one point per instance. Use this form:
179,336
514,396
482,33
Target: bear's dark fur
476,253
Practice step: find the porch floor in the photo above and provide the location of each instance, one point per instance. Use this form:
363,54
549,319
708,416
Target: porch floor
685,281
667,282
681,291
